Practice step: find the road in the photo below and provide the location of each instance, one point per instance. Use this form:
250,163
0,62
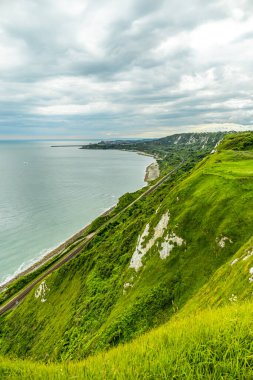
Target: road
69,256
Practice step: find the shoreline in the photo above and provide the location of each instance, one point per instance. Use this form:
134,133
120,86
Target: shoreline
66,243
52,253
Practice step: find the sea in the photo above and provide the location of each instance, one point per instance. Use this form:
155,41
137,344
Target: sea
47,194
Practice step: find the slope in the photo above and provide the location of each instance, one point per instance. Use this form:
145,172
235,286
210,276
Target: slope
215,344
142,268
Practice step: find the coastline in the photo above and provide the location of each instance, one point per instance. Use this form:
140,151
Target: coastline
52,253
152,170
149,173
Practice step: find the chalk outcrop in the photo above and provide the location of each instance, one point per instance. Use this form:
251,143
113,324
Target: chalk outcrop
41,291
142,248
169,243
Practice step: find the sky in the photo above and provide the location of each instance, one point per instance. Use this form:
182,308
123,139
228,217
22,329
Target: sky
128,68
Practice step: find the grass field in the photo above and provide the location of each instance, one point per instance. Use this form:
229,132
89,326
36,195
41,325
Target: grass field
213,344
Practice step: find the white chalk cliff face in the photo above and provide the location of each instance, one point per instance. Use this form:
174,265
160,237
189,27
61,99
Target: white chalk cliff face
169,243
41,291
221,242
140,250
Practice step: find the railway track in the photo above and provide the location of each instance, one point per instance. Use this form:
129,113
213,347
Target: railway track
15,301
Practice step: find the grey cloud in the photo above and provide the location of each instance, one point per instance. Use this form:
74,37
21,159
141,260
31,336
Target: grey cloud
144,63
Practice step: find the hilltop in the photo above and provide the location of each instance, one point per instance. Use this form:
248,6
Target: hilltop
182,249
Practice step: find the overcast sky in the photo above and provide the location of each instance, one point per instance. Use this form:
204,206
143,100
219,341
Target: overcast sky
128,68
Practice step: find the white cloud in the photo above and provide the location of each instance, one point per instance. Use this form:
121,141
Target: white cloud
130,67
198,81
76,109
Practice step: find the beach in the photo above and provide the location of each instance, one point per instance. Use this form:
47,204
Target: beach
152,172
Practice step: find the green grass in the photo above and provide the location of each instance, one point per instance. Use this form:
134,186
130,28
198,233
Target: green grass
214,344
85,307
237,141
229,284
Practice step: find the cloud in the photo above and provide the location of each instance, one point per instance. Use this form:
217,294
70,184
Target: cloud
135,67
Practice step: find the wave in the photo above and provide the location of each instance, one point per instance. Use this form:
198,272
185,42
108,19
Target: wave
43,253
26,265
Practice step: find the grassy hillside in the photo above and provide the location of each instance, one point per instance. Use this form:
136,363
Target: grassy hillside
168,254
215,344
231,283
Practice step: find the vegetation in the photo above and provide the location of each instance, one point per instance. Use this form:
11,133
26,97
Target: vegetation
123,202
200,291
214,344
238,141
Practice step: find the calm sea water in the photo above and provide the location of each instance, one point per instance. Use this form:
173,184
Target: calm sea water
47,194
